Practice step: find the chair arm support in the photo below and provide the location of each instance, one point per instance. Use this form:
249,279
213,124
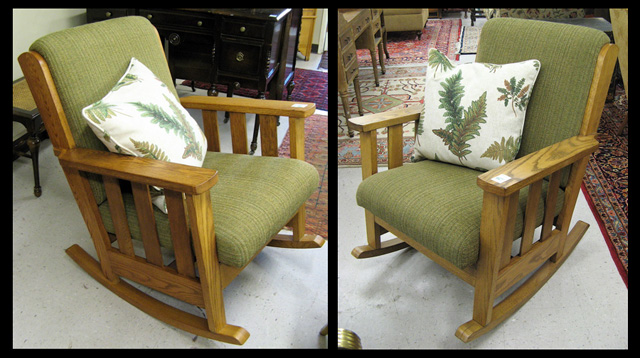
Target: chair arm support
535,166
385,119
250,105
178,177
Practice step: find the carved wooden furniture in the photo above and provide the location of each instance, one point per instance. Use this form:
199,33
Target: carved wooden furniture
26,113
219,216
436,207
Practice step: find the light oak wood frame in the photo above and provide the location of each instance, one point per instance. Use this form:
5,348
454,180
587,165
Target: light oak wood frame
496,270
188,202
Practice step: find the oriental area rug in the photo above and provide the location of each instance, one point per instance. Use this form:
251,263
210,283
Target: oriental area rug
401,86
606,183
316,147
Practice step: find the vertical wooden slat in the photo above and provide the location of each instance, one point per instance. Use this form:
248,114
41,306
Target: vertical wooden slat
549,210
118,215
210,123
147,223
238,125
180,233
296,138
204,243
395,146
269,135
530,216
369,153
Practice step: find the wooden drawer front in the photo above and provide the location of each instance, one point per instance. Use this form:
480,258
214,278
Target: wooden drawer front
375,13
94,15
348,55
351,69
242,28
172,19
239,57
375,25
346,39
361,23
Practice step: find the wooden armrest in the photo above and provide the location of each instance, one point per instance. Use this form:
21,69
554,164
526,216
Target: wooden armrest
178,177
535,166
385,119
250,105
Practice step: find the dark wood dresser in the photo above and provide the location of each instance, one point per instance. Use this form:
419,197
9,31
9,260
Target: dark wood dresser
239,48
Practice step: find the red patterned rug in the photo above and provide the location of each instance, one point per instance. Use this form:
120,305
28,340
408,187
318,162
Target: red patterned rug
316,146
310,86
606,186
404,47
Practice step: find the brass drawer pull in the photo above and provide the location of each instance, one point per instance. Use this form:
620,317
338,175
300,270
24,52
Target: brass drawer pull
239,57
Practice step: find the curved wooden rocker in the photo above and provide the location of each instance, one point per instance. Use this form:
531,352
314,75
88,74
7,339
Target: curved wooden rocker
496,270
197,276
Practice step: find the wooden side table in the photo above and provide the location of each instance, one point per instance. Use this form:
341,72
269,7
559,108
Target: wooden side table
26,113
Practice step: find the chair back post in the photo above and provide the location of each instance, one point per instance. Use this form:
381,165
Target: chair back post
38,77
599,87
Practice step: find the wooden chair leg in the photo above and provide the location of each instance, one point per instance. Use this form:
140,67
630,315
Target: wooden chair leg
297,240
375,246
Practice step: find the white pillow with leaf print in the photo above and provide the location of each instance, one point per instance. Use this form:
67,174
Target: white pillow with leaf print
474,112
140,116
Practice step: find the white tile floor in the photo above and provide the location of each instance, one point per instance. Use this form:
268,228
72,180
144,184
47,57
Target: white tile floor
405,300
281,298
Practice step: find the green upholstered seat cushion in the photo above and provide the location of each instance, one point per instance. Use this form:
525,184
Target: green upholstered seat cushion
86,61
437,204
253,199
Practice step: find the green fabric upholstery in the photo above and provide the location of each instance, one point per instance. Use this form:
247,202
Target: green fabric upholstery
87,61
567,55
253,199
439,205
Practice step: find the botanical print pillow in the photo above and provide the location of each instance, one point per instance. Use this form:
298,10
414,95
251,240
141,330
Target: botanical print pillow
474,112
140,116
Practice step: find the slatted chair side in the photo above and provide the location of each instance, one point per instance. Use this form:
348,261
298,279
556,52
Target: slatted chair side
180,231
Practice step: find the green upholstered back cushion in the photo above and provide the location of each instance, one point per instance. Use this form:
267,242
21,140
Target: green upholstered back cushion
567,56
87,61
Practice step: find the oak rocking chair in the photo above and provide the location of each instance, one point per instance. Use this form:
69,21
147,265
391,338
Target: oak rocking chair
467,220
219,216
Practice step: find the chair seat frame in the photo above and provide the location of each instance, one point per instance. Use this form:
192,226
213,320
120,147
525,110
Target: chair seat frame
496,270
188,200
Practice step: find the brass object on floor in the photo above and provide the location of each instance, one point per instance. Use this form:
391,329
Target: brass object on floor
348,339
